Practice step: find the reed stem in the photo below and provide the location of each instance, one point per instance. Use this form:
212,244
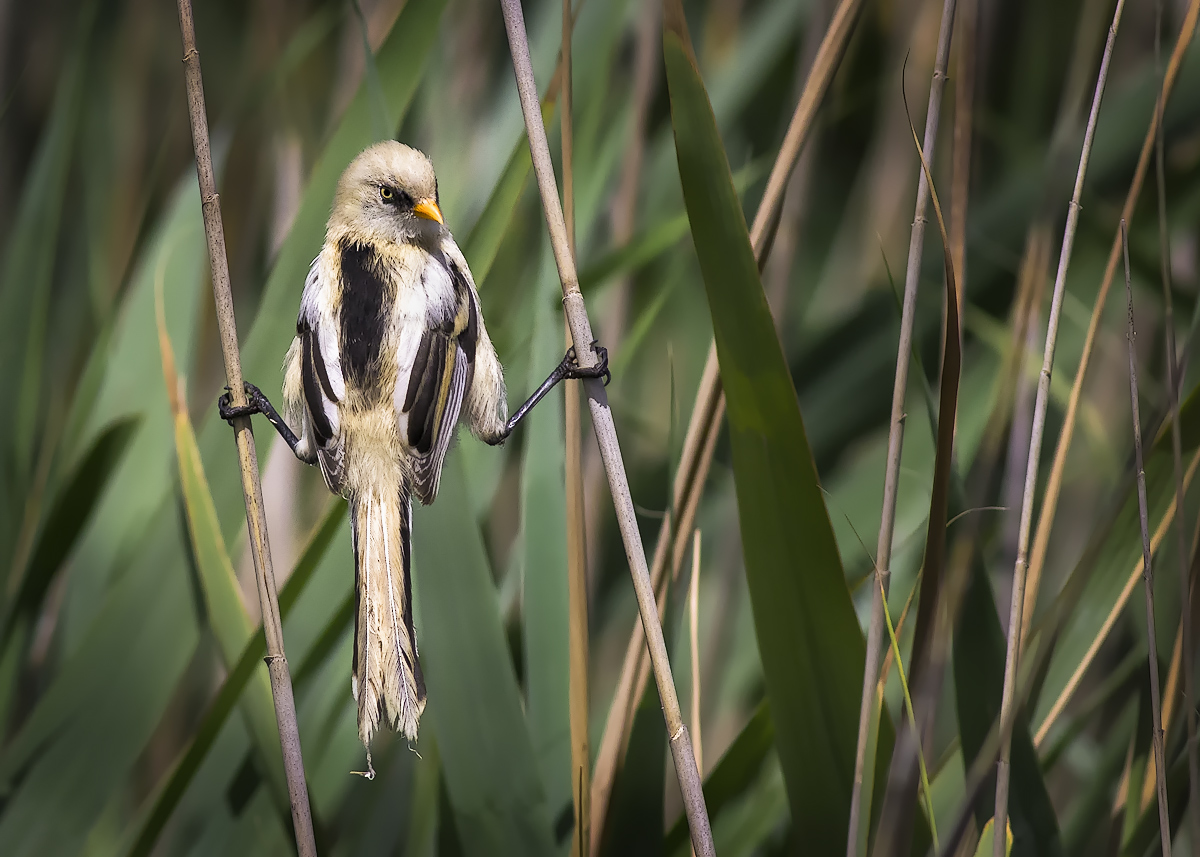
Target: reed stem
256,520
606,435
1160,770
1021,567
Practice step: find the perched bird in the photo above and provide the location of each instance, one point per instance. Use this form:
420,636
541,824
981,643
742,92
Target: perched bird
390,351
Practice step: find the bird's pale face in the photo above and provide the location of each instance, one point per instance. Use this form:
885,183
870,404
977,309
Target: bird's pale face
389,193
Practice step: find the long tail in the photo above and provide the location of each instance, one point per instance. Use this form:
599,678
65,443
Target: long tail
387,675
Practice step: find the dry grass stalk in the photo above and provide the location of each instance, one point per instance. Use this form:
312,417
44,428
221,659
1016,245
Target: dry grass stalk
709,409
960,161
1160,770
256,521
577,583
1017,605
1173,381
891,478
1041,540
694,645
606,436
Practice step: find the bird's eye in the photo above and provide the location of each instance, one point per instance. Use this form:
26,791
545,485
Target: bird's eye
387,194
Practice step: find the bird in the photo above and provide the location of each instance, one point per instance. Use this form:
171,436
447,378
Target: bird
390,353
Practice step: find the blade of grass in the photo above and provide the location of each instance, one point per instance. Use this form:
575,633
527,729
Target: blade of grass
281,689
808,637
238,677
709,408
602,423
488,761
224,610
1160,769
1016,611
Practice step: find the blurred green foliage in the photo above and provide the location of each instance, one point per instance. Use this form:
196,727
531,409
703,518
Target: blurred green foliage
131,697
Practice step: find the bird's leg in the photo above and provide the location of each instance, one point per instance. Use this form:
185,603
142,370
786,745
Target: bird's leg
258,403
568,368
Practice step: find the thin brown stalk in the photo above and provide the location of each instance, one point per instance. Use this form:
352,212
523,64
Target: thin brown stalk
1054,482
256,521
1185,621
577,584
606,436
694,646
960,161
1160,769
709,408
1017,604
891,478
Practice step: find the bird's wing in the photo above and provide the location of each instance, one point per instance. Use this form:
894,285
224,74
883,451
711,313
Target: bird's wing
439,378
321,373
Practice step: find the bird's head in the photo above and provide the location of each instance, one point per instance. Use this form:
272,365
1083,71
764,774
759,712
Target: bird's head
389,192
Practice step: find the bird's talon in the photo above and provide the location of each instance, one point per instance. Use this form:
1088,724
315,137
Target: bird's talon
230,412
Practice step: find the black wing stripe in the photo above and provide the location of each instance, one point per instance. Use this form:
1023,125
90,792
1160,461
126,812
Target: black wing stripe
417,373
421,426
322,372
312,391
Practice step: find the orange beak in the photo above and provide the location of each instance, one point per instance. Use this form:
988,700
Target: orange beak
428,209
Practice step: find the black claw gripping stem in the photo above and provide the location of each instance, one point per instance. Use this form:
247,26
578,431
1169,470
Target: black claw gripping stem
256,403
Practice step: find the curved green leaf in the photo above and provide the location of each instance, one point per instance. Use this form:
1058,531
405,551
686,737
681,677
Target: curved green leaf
809,640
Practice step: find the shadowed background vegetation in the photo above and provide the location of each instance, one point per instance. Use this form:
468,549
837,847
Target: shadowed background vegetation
135,713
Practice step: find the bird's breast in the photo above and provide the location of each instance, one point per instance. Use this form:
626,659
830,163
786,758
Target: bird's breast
366,309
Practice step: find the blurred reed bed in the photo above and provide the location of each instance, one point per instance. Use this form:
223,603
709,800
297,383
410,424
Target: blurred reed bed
131,687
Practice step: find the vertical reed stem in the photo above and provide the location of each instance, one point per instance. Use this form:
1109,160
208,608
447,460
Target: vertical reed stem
1160,770
1173,380
1017,604
606,435
891,478
577,586
256,521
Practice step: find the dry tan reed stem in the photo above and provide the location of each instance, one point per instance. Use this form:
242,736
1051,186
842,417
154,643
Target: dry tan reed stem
577,584
694,647
256,520
1049,504
709,409
1017,605
606,436
1156,734
891,477
1185,616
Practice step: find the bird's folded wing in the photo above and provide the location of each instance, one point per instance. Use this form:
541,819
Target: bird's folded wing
437,384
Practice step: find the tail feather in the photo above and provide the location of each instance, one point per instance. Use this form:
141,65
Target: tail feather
387,675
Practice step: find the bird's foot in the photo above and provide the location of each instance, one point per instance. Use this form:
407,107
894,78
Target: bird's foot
254,404
572,369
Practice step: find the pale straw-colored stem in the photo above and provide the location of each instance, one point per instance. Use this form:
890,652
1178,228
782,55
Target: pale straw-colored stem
891,477
694,646
1185,599
709,408
1017,604
577,585
256,520
606,436
1156,731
